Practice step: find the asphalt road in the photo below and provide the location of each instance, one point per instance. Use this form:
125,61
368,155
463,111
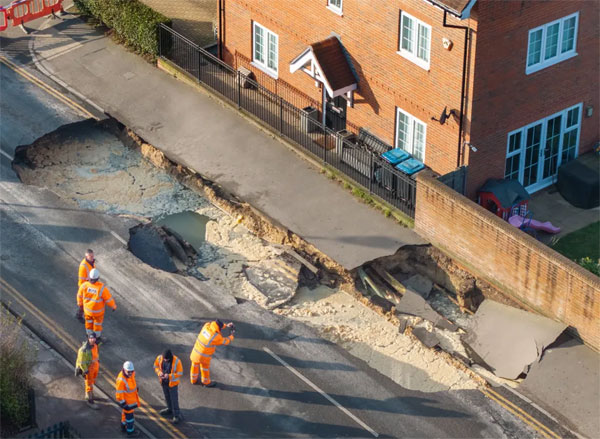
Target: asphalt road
277,379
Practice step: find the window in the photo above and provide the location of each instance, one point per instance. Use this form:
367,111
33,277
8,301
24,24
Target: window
535,151
410,134
552,43
415,40
265,51
335,6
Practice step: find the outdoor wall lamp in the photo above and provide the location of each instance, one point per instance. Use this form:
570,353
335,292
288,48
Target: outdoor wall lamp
471,146
589,111
444,116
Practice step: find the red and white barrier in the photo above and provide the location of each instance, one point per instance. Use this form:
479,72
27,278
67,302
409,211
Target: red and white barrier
22,11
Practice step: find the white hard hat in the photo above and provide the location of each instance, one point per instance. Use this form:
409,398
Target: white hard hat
128,366
94,273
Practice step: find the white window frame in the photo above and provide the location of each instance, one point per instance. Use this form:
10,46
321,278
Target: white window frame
559,57
334,8
412,53
264,64
411,134
544,122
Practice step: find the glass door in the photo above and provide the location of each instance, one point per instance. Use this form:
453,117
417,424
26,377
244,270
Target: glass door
533,155
551,151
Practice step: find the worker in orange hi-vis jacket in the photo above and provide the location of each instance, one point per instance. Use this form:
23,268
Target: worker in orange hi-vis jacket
128,398
91,300
208,338
85,266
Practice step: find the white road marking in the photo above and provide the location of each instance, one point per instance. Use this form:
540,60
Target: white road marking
205,302
5,154
118,237
325,395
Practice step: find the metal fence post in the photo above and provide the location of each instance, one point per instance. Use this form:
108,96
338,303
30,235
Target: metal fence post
239,85
160,32
371,174
280,114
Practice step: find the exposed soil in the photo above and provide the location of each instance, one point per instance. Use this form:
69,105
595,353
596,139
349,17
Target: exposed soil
105,166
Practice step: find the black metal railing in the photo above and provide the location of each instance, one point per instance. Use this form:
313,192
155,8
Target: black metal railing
357,161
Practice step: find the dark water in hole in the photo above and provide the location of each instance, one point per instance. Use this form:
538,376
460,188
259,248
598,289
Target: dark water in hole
191,226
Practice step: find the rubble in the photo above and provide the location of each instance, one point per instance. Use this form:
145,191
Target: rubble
90,165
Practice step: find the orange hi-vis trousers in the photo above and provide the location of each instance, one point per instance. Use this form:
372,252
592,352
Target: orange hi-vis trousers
203,367
90,377
93,322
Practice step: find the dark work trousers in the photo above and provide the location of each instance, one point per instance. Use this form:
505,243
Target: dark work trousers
172,398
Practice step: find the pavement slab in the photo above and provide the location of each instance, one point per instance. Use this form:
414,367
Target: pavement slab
195,130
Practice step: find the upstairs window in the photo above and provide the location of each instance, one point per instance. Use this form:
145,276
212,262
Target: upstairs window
415,40
335,6
552,43
265,49
410,134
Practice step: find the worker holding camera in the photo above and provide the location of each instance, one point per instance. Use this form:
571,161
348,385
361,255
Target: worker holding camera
209,337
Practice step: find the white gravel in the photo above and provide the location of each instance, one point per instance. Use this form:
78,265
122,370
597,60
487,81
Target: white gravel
101,173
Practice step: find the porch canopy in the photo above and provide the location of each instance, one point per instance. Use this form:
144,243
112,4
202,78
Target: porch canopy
326,62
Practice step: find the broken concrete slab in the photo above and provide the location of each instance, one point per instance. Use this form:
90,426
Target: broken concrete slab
414,304
156,246
567,380
419,284
275,279
508,340
426,337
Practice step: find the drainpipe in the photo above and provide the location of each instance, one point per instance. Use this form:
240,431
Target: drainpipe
220,37
463,86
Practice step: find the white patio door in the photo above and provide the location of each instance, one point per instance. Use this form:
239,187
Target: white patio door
536,151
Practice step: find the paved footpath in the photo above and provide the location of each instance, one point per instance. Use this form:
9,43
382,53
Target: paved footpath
196,130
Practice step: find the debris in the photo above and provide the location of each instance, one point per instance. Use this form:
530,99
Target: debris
275,280
147,242
426,337
377,288
413,304
295,255
402,325
508,340
419,284
391,280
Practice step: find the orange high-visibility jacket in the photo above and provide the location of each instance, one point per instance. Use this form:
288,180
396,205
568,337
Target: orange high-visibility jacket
93,297
209,337
176,369
127,393
84,271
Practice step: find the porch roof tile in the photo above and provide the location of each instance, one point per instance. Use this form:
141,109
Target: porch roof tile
332,60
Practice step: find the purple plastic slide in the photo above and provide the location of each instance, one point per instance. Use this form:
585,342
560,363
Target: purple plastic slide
518,220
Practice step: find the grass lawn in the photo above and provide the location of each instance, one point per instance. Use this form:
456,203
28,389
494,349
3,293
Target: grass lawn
581,243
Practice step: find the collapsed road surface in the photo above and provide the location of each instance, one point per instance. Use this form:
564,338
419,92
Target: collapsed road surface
278,379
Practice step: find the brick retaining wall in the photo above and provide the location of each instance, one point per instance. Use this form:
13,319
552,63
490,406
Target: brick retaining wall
513,261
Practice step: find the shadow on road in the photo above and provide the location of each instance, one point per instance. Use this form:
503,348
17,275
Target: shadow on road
408,405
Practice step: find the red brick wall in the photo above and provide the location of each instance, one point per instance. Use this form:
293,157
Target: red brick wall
369,32
505,98
511,260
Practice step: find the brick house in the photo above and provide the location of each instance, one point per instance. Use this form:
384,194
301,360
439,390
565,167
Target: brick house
509,88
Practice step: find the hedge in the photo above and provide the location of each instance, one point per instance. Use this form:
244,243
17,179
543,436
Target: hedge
132,21
16,359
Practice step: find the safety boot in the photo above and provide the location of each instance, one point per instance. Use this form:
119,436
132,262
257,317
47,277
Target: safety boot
134,433
89,396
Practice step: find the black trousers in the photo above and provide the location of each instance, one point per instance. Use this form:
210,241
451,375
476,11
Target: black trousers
171,398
